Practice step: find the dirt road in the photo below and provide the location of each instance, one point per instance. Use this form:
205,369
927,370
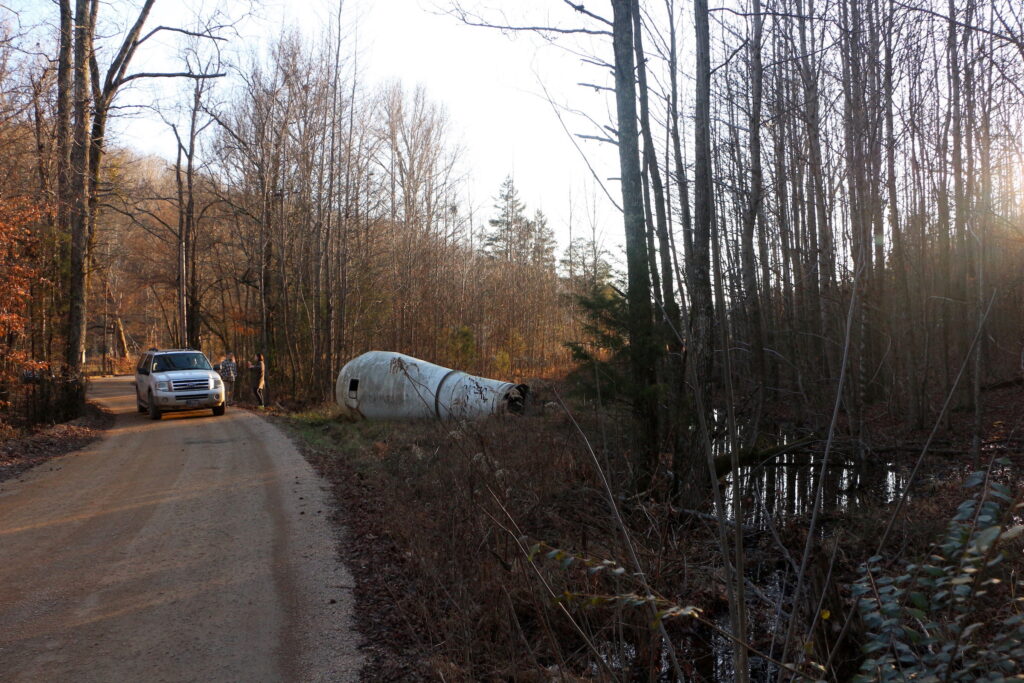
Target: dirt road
196,548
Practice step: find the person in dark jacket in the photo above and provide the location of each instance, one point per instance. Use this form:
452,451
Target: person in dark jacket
259,379
229,373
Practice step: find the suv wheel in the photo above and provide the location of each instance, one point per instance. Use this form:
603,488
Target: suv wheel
219,410
154,412
138,402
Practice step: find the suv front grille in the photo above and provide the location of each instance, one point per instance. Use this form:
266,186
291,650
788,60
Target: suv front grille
189,384
190,397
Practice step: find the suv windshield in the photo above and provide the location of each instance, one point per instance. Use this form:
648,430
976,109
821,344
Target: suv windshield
180,361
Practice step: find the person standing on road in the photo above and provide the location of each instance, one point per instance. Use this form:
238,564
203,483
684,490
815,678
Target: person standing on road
259,377
229,373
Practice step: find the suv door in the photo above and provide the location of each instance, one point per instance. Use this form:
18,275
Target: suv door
142,375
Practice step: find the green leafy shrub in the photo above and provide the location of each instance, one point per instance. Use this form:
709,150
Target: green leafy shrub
949,619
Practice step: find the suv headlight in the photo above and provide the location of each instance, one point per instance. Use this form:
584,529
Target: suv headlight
217,384
163,386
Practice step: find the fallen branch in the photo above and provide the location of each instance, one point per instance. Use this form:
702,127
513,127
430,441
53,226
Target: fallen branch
723,463
707,517
1003,384
916,448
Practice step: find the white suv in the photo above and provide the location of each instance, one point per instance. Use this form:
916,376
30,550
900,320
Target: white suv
177,379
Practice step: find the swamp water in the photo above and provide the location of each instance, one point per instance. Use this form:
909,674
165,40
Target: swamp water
776,494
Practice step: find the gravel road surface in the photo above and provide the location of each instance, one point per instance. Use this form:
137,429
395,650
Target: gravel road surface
195,548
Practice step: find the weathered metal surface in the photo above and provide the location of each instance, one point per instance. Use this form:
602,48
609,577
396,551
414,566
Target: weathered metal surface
384,385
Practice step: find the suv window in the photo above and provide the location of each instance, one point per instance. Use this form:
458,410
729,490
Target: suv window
180,361
143,367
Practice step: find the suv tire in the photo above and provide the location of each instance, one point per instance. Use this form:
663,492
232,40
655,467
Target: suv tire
154,412
219,410
138,402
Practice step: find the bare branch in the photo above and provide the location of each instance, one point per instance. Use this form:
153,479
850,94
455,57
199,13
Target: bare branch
473,20
596,87
195,34
735,52
575,144
582,10
786,15
180,74
125,53
599,138
1015,41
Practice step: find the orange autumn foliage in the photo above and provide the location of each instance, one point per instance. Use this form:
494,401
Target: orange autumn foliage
18,218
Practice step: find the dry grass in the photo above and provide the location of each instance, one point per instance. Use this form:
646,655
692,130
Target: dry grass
444,516
463,503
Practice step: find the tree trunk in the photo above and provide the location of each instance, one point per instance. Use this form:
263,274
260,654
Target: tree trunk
658,187
702,306
750,287
62,127
641,343
80,187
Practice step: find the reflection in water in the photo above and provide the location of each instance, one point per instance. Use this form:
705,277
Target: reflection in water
773,494
785,488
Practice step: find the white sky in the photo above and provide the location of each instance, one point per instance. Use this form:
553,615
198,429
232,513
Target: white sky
493,88
489,83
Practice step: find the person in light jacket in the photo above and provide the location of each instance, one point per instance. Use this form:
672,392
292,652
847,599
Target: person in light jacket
259,379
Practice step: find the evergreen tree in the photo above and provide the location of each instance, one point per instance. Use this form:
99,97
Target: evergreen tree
515,238
586,265
542,241
508,237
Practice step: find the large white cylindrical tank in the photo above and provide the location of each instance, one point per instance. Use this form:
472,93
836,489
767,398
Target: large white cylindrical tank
384,385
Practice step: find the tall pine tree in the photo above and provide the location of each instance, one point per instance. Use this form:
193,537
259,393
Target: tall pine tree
506,240
515,238
541,241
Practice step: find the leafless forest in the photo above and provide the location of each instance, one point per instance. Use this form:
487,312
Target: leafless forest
822,205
